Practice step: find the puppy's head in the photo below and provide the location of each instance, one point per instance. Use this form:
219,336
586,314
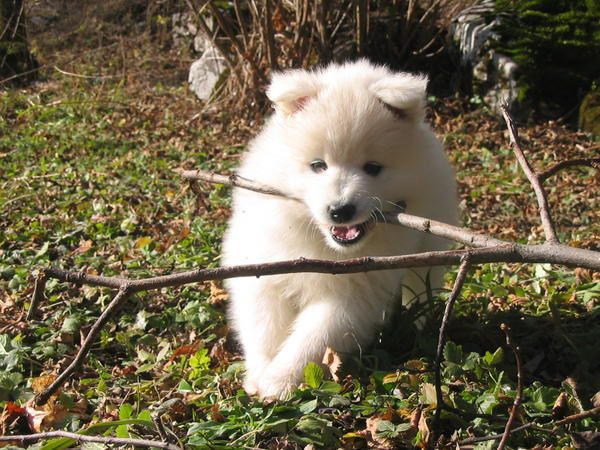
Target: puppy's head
351,134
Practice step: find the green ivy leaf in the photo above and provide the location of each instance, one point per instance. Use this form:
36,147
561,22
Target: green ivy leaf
453,353
313,375
495,358
308,407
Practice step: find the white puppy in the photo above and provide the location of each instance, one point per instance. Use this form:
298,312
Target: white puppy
348,140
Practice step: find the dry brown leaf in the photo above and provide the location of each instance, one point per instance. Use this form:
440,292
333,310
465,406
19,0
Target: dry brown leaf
415,417
217,294
587,440
9,415
52,415
184,350
424,429
596,400
374,440
561,407
84,246
215,414
333,361
144,241
40,383
219,355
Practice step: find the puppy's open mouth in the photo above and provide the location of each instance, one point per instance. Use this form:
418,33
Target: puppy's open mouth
347,235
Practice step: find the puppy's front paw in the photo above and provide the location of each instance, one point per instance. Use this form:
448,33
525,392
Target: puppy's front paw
250,386
273,387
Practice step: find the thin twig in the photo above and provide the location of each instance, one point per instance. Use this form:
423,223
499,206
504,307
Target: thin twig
458,283
496,437
589,162
233,180
269,36
233,39
213,38
160,426
533,178
566,420
86,346
78,75
23,438
579,416
519,394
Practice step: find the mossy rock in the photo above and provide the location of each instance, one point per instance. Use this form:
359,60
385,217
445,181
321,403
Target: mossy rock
589,113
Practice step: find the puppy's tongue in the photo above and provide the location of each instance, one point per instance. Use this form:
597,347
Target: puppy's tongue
346,233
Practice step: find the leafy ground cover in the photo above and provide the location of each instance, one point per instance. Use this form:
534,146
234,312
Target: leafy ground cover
86,183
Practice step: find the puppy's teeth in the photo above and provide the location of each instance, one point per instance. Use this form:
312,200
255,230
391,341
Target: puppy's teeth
346,233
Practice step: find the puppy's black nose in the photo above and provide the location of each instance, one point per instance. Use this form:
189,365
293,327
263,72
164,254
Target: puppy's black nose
342,213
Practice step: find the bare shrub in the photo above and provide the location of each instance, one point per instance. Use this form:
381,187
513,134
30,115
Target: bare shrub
261,36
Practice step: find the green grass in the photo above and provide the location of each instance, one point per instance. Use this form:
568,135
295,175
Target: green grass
86,183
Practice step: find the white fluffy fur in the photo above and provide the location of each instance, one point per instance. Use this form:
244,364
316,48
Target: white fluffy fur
335,114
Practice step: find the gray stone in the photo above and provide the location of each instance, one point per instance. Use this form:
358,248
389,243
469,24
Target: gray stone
493,75
206,72
471,31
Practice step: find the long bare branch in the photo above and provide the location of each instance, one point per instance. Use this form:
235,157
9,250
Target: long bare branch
533,178
569,419
544,253
454,233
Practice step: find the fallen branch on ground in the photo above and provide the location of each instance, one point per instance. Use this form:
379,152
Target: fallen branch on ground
579,162
579,416
26,438
567,420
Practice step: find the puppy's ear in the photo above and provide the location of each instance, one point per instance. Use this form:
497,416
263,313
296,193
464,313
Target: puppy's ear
402,94
290,91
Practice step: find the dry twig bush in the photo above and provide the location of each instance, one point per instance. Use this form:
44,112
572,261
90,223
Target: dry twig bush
259,37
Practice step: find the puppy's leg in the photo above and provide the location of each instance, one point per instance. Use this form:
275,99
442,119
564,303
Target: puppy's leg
262,320
317,326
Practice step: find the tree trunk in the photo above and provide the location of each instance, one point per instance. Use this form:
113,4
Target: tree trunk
17,64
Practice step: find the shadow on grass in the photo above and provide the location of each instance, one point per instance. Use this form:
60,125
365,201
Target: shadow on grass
551,348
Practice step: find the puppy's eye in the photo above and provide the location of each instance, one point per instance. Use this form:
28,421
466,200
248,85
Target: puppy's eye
372,168
318,165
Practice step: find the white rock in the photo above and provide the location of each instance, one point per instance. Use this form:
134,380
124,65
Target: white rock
206,72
